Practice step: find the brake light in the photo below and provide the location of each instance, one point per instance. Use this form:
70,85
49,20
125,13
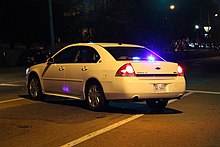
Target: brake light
126,70
180,70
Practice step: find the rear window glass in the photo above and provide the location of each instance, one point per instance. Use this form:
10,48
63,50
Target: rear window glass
132,53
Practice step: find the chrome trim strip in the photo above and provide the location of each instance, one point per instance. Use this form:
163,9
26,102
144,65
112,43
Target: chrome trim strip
66,80
156,75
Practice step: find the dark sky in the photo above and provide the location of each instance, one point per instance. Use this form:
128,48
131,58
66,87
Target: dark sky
217,2
27,20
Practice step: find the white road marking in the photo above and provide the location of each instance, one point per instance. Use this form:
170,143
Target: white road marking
101,131
108,128
10,85
204,92
115,125
12,100
187,94
16,81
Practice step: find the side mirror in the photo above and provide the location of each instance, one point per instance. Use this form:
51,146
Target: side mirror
50,61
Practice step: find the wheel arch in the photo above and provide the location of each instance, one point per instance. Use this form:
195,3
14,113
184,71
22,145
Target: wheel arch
89,81
32,74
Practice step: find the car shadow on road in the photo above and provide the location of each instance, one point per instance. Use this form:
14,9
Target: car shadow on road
137,108
123,107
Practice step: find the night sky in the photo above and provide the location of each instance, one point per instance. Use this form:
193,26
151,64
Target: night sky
27,21
217,2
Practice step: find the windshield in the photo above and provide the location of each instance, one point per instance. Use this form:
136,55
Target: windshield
133,53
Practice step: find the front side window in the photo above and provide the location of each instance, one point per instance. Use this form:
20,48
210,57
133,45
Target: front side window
133,53
67,55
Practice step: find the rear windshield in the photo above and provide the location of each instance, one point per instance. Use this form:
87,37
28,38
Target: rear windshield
132,53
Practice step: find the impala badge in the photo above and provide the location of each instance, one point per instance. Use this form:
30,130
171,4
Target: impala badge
157,68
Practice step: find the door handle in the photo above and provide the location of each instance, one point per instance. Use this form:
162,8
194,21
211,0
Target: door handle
84,68
61,68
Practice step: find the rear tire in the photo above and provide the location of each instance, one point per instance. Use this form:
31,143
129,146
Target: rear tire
34,88
157,104
95,97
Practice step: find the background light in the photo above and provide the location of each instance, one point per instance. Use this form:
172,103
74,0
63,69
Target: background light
172,7
151,58
197,27
135,58
207,28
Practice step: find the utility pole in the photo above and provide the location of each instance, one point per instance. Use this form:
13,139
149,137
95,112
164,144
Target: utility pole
52,38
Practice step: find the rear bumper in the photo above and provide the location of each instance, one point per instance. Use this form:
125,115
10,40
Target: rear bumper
143,96
127,88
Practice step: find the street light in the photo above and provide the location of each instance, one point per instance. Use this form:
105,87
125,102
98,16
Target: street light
207,28
172,7
197,27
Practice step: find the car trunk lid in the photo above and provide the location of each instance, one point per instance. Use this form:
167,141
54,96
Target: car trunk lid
155,69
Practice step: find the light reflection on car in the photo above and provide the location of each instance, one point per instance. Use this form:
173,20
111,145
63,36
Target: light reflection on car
100,72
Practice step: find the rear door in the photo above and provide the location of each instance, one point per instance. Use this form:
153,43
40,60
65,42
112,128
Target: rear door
76,73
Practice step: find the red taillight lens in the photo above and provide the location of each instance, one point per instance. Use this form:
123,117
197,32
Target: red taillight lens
126,70
180,70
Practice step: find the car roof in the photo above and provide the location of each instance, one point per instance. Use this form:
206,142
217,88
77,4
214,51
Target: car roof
111,44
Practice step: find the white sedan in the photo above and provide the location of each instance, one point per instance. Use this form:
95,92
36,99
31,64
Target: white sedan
100,72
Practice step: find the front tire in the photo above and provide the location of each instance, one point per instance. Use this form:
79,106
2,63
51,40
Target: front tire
157,104
95,97
34,88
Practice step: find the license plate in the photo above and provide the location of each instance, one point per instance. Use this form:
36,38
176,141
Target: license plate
159,87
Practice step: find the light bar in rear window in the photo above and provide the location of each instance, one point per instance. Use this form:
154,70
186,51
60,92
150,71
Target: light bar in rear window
133,53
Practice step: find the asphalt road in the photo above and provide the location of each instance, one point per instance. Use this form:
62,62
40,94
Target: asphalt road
192,121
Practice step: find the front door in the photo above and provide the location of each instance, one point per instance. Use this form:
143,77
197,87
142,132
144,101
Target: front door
54,74
53,78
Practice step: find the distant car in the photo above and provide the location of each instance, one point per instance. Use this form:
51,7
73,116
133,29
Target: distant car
32,56
100,72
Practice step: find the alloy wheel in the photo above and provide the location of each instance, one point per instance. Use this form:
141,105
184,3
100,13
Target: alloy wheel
94,94
34,88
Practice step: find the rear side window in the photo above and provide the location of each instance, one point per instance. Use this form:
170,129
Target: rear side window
86,55
133,53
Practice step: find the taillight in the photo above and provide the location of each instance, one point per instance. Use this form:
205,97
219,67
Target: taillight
126,70
180,70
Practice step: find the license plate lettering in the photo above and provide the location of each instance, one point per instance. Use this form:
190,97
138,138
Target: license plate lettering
159,87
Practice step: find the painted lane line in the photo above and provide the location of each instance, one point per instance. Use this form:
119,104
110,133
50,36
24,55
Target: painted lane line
12,82
204,92
98,132
187,94
108,128
10,85
6,101
101,131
